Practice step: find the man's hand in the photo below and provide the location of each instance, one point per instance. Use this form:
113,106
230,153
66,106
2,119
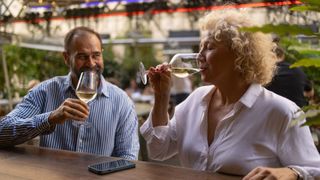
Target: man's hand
271,174
73,109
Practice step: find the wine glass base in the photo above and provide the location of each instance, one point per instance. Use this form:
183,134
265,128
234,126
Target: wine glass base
142,73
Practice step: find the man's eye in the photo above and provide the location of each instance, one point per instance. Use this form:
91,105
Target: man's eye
82,56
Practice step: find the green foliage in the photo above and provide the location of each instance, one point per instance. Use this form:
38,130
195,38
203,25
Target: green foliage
134,55
28,64
312,114
309,5
311,59
128,67
307,63
300,55
111,67
281,29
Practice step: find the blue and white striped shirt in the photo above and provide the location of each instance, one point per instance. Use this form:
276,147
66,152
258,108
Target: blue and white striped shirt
113,121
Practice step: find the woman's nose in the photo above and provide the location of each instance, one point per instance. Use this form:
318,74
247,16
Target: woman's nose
200,57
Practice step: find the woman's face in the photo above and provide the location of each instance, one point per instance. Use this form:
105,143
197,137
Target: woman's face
216,61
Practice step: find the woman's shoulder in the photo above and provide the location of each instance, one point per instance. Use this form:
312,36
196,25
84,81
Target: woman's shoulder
202,90
278,103
198,95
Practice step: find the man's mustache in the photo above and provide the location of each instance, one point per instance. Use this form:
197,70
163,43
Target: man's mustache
97,69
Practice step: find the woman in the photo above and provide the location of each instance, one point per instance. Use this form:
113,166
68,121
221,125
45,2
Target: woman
233,125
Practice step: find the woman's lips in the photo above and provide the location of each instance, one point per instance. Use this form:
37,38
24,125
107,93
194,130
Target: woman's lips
203,69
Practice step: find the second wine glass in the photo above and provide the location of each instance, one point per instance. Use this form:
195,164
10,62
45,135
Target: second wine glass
86,89
181,65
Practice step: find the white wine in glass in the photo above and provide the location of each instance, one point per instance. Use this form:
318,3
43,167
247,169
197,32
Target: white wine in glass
87,88
182,65
86,96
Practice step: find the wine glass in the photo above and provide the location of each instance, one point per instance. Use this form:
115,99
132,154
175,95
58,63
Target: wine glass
181,65
86,89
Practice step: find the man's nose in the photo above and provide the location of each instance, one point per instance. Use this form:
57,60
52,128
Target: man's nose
91,61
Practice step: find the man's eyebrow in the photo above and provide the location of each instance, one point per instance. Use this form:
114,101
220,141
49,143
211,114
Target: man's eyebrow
81,53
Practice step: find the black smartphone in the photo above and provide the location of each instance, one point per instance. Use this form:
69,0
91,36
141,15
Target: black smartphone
111,166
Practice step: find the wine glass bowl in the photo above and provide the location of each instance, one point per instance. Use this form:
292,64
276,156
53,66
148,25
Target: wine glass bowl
86,90
182,65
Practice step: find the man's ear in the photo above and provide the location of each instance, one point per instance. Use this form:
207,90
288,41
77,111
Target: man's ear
66,58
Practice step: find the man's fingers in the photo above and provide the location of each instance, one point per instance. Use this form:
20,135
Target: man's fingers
73,117
71,113
78,105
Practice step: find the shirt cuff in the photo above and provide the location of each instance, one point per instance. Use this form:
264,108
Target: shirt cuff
43,124
149,132
302,171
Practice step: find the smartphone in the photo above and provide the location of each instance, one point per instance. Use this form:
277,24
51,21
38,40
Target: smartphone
110,166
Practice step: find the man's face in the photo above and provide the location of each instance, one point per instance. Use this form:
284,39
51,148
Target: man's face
85,54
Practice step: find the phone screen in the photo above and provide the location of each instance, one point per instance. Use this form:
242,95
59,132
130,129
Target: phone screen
111,166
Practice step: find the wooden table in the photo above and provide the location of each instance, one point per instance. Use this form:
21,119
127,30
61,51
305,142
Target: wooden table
29,162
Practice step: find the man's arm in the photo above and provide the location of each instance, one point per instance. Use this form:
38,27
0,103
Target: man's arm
25,122
29,119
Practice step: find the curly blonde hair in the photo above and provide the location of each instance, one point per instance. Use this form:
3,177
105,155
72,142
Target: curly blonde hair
256,60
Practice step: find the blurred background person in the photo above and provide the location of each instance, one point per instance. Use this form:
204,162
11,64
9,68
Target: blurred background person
180,89
133,90
291,83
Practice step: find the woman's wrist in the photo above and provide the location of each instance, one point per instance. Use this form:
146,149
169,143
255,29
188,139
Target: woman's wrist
296,173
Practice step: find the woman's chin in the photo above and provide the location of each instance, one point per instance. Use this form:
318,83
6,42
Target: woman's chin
204,79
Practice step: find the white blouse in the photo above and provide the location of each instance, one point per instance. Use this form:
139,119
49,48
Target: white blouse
256,132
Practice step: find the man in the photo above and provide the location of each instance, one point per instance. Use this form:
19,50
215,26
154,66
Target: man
49,109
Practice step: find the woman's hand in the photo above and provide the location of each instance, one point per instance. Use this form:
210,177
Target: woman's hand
160,79
271,174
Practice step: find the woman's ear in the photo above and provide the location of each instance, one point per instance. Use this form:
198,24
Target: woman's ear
66,58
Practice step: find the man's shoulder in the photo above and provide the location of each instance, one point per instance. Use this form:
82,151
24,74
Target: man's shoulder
114,90
57,81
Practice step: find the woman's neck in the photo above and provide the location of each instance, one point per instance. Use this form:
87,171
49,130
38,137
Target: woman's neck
230,93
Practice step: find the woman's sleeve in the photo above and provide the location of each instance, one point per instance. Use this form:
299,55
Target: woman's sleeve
297,150
161,140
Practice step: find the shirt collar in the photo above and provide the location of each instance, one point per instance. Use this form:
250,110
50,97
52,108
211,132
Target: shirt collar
251,95
247,99
103,88
207,96
68,84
